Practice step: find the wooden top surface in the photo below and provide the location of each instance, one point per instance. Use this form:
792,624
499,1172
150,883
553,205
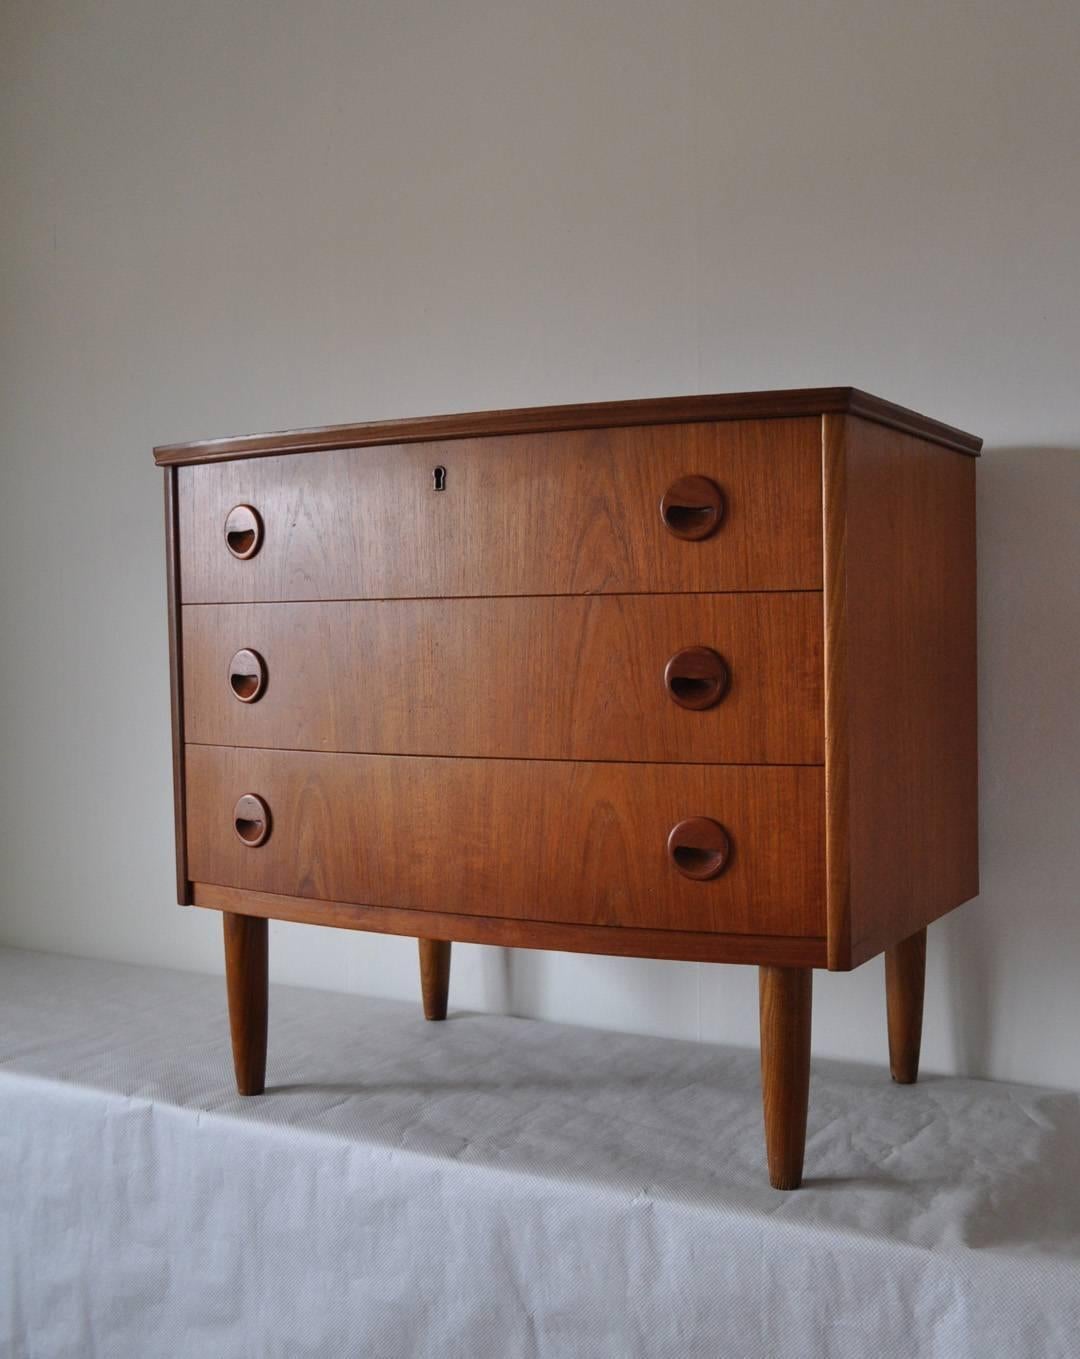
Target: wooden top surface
673,410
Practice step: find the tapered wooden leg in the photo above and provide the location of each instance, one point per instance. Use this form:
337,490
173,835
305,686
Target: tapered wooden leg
785,1002
434,976
246,977
905,979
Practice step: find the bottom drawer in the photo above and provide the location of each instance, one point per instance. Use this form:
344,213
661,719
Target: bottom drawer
549,840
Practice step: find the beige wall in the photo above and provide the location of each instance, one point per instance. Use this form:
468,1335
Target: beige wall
247,214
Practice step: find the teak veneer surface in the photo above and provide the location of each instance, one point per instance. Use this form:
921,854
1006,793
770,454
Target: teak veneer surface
502,932
689,678
901,722
574,513
780,404
566,842
559,677
176,682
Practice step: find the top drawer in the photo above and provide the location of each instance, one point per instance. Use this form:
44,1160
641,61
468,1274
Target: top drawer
566,513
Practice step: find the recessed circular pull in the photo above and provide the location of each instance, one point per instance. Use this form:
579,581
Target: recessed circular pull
699,848
243,531
251,820
696,677
692,507
247,676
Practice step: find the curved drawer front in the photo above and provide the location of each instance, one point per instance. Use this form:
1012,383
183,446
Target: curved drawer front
561,677
569,513
542,840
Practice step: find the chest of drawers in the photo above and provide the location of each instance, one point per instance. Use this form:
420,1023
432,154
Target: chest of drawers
688,678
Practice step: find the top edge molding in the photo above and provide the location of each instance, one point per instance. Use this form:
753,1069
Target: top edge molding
674,410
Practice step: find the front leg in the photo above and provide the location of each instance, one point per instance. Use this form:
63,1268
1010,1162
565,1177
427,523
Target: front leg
246,980
785,1002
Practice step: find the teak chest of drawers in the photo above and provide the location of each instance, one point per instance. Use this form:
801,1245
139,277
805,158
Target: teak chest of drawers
688,678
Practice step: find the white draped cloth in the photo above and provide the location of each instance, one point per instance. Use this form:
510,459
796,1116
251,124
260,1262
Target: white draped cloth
498,1187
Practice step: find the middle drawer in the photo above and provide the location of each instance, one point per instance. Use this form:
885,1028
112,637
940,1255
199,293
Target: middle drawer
734,679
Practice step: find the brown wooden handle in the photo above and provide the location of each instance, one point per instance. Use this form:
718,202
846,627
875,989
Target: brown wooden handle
696,677
251,820
243,531
692,507
699,848
247,676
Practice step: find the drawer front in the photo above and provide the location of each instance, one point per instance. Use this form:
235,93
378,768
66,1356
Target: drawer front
543,840
560,677
571,513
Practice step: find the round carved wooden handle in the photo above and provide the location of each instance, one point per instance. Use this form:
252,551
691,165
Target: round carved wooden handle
692,507
251,820
243,531
699,848
247,676
696,677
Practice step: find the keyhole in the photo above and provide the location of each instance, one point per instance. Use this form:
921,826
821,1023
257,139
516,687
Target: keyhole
438,478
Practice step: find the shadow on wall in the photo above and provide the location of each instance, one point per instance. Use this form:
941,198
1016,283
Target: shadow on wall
1017,951
498,973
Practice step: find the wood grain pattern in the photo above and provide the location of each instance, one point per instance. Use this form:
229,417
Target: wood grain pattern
176,683
809,401
533,515
901,739
683,945
569,842
905,979
699,848
243,532
543,678
434,976
834,448
697,677
247,676
246,980
692,508
689,678
785,1003
251,820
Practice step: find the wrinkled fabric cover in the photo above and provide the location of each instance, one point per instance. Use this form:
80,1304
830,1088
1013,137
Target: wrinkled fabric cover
497,1187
